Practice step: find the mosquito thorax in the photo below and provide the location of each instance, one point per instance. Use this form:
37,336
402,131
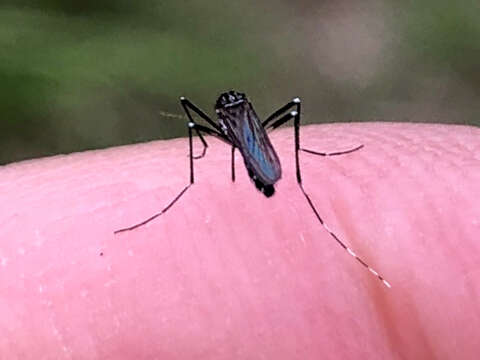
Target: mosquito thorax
230,106
230,98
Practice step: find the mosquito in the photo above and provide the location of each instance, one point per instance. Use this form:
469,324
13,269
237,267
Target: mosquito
239,126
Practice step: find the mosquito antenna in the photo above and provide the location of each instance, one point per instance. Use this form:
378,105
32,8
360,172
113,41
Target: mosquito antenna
172,115
340,242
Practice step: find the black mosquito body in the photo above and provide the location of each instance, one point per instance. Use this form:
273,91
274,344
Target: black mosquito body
244,131
239,126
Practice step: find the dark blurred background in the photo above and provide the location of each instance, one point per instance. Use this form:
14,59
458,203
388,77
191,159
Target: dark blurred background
78,75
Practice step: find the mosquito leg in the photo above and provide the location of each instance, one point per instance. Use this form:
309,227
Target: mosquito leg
216,131
340,242
157,214
187,104
309,200
295,102
332,153
204,143
198,129
233,163
296,124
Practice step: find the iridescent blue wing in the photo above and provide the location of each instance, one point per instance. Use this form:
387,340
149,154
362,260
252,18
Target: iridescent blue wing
247,134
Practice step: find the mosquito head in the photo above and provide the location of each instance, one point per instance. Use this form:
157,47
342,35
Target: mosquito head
229,99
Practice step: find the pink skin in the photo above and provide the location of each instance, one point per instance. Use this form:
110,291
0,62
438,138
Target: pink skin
229,274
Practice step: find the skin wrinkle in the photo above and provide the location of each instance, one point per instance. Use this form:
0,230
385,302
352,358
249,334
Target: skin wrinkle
239,263
389,319
395,336
461,260
447,233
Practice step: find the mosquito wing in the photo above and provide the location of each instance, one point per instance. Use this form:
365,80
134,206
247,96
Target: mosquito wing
247,134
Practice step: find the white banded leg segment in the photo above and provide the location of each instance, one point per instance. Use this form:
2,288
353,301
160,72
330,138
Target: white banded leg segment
351,252
345,247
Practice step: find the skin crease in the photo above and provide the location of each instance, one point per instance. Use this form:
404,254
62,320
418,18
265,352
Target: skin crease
229,274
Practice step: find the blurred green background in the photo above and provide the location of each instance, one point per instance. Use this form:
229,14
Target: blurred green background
78,75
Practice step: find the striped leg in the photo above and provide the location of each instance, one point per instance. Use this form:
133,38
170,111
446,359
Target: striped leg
296,124
340,242
192,126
